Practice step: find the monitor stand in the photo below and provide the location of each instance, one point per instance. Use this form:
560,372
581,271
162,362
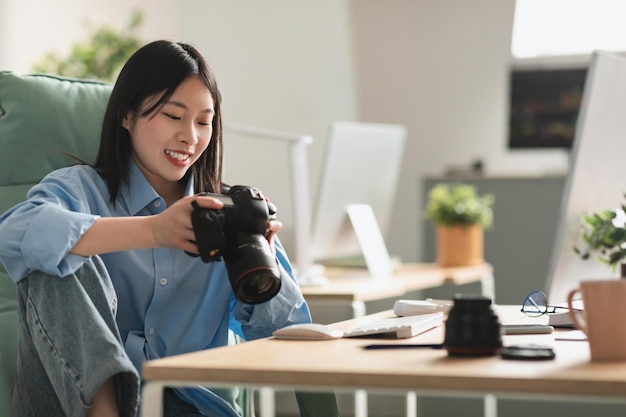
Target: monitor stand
375,256
370,240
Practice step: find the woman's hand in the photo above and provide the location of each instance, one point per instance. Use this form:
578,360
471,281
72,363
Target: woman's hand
174,229
273,227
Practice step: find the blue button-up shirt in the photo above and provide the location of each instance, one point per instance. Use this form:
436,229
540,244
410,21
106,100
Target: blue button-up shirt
168,302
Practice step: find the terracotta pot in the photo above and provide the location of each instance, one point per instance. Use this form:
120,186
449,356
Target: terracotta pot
460,245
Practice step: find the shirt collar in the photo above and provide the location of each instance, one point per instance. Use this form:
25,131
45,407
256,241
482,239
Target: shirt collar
142,192
191,185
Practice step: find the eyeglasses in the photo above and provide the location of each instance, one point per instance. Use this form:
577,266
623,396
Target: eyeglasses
536,304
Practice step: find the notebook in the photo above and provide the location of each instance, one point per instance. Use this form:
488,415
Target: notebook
563,318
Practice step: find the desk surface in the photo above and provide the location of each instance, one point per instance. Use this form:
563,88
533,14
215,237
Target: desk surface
343,363
355,284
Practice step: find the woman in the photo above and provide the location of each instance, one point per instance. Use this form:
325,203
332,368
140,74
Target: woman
119,234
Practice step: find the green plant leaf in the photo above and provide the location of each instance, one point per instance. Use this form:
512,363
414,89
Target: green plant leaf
603,234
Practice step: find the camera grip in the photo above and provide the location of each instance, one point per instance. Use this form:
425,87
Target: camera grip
208,231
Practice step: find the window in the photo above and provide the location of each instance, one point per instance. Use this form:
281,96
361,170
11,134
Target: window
544,28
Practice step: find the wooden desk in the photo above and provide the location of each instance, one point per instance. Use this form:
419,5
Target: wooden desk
344,365
355,286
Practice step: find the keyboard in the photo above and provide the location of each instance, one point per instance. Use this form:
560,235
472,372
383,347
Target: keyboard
398,327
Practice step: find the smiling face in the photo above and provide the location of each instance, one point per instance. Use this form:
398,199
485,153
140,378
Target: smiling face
167,142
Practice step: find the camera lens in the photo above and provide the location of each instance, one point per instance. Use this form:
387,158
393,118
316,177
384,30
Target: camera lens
252,269
472,327
258,287
258,284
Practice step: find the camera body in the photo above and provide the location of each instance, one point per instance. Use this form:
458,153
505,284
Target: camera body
236,233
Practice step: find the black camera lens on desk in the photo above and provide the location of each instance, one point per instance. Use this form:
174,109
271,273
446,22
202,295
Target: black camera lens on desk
472,327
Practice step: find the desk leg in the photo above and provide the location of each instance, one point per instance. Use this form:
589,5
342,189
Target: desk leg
411,404
360,403
267,406
491,405
488,287
152,399
358,309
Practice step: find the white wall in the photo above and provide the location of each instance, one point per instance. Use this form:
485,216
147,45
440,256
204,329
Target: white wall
439,67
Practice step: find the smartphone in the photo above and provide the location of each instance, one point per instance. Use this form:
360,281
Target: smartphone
526,329
527,352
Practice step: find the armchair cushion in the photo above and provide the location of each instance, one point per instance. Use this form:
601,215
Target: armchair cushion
42,116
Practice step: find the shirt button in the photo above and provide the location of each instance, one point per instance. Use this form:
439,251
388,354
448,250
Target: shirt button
151,331
163,281
157,203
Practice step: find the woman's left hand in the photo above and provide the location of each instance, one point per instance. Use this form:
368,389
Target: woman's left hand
273,227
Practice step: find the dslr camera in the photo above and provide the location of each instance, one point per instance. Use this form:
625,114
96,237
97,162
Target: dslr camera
236,233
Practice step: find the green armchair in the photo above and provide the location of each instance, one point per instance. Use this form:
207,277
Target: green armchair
41,117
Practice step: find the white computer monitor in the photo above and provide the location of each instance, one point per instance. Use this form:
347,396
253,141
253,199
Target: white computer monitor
359,177
597,174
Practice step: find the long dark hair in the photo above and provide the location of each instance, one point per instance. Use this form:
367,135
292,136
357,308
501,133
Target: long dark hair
156,68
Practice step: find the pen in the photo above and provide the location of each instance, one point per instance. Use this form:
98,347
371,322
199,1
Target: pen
404,346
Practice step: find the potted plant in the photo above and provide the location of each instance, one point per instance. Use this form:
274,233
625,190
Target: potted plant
603,234
461,216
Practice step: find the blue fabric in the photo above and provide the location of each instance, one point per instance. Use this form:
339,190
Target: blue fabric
169,302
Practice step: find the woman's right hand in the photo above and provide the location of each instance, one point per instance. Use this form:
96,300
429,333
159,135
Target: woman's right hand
173,228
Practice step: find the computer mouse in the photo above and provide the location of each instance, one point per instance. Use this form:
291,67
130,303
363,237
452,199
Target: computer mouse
308,331
403,308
